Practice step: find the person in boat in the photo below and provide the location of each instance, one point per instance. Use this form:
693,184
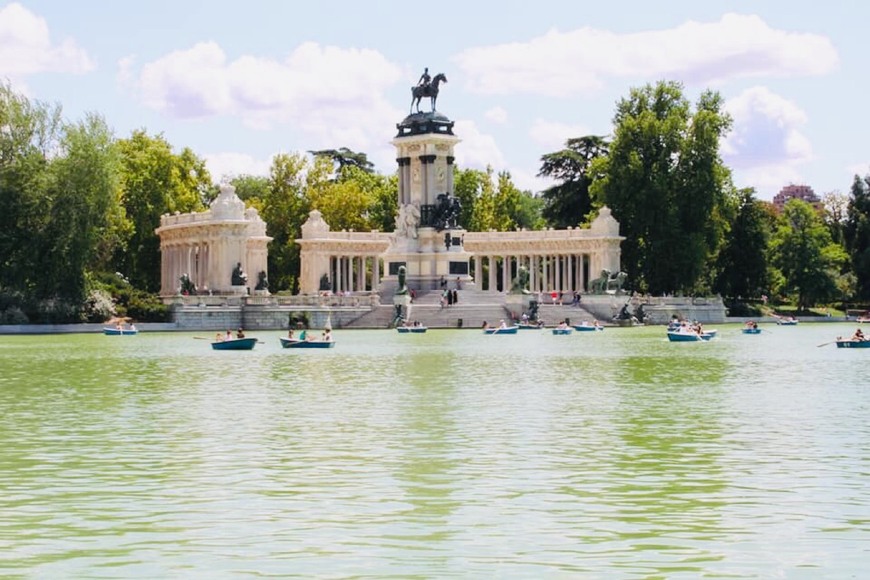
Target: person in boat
596,324
290,333
485,325
327,335
229,335
502,324
240,333
563,325
303,335
858,336
219,337
132,327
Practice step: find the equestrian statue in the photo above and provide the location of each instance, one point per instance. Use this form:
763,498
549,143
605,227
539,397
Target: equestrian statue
426,87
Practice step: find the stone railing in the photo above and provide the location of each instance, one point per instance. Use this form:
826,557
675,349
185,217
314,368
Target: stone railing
320,300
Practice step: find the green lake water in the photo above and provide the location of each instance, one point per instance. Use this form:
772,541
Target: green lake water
447,454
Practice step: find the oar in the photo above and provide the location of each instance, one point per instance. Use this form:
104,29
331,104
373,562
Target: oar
826,343
202,338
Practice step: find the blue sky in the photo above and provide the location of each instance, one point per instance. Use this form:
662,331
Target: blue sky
241,81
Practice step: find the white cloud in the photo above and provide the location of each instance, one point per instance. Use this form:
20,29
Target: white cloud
496,115
26,46
477,150
766,147
581,61
334,95
552,135
766,130
231,164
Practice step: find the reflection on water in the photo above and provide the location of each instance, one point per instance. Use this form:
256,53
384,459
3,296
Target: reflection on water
449,453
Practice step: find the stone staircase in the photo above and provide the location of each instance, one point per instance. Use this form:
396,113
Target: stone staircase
472,309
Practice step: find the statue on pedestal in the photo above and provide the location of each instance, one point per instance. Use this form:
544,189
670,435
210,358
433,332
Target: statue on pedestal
426,88
521,281
262,282
239,278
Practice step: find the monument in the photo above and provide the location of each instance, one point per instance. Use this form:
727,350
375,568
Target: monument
428,240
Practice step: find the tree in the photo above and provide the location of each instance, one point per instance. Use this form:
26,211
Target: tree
285,209
344,157
86,213
743,266
806,255
568,203
665,183
155,181
836,208
857,234
30,132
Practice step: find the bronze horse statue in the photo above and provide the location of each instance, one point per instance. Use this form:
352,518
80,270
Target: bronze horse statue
428,90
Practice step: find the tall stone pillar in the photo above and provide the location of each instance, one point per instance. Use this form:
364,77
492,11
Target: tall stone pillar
428,240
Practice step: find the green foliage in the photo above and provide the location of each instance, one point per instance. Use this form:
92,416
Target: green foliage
345,158
568,203
155,181
125,300
806,255
285,209
857,234
742,264
666,185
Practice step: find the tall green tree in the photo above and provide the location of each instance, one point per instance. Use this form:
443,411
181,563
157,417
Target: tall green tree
666,184
806,255
857,234
30,133
86,214
567,203
743,263
285,209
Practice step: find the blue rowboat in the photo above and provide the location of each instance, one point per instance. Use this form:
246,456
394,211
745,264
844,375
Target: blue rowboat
235,344
690,336
562,331
751,331
587,327
120,331
848,343
296,343
507,330
522,326
412,329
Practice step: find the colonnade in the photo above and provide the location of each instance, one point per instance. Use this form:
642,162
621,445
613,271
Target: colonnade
547,272
354,273
182,257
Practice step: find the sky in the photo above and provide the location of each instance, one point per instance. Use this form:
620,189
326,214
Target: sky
239,82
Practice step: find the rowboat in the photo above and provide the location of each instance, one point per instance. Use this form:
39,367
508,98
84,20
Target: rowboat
751,331
527,326
683,336
296,343
500,330
849,343
562,330
234,344
787,321
412,329
586,327
120,331
863,320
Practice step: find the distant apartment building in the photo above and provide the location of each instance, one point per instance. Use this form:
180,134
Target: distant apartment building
801,192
